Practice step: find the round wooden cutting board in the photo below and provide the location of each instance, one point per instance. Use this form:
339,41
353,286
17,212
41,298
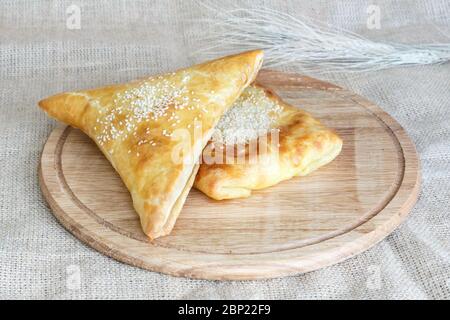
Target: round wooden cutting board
299,225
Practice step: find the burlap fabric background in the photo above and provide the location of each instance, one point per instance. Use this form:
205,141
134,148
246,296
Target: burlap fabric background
121,40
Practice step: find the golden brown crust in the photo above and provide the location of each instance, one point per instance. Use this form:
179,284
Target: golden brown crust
304,145
136,125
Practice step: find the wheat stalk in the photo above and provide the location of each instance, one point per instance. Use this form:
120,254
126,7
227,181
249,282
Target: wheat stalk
311,46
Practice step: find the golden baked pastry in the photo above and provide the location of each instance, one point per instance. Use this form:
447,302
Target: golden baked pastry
154,130
261,141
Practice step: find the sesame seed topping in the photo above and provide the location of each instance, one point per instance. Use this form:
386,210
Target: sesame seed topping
149,101
252,115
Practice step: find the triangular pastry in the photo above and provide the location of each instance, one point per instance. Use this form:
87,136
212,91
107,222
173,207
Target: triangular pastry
260,141
154,130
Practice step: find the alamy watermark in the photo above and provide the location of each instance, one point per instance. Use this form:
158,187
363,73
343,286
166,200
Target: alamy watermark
262,149
374,280
73,20
73,277
374,18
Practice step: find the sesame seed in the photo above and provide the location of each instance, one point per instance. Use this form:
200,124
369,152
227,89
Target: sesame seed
252,115
151,100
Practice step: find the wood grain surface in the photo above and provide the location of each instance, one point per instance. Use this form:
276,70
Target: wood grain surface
300,225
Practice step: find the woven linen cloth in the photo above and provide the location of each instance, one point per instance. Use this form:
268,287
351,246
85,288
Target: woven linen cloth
42,53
